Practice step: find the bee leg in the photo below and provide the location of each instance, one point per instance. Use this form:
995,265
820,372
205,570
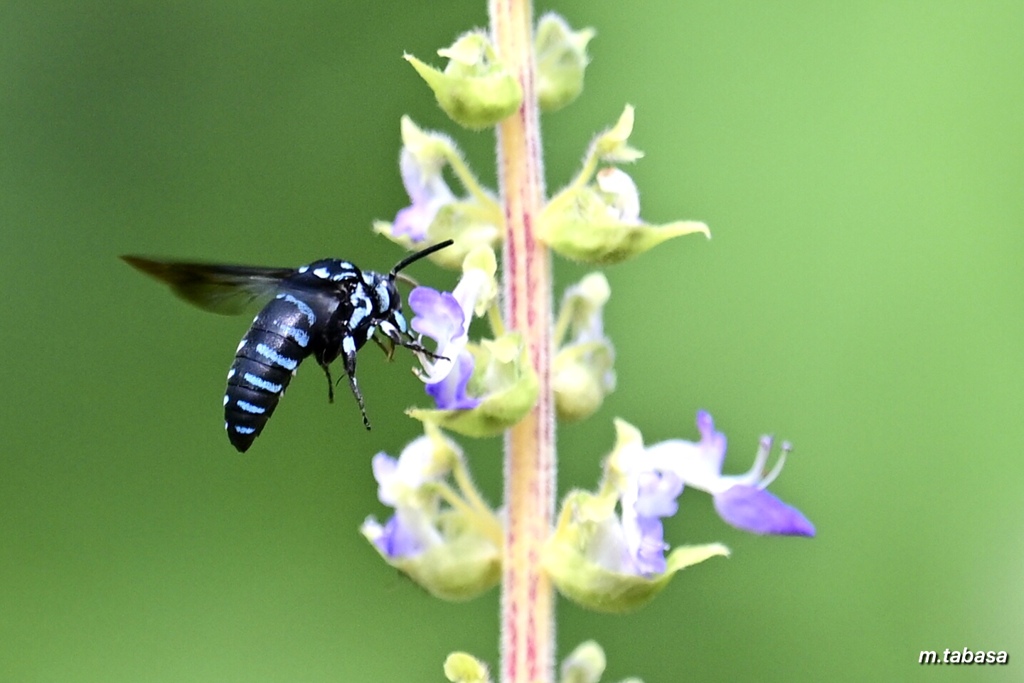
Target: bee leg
330,382
388,349
413,345
348,348
398,338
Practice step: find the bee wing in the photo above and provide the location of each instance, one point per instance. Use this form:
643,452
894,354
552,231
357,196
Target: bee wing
218,288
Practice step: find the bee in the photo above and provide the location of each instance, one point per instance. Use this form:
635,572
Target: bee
325,309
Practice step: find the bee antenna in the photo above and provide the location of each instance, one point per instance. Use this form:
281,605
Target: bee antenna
412,258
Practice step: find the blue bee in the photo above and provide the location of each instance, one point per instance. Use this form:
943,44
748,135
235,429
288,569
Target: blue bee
326,309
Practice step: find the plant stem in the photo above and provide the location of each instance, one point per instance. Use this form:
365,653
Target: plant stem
527,605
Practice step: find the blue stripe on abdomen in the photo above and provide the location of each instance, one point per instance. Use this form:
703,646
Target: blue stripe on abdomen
260,383
276,358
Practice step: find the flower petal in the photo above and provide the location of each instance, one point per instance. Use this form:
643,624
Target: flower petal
755,510
657,493
427,191
385,469
621,194
649,553
394,539
698,464
450,392
437,315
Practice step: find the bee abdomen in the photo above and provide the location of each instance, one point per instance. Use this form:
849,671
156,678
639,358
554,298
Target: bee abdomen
281,336
253,392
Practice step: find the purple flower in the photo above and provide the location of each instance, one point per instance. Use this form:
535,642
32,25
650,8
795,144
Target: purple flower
428,192
755,510
633,542
442,536
445,317
404,535
439,316
740,500
400,485
649,496
450,392
396,478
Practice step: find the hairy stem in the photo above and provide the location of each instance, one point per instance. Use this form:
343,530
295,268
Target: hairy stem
527,605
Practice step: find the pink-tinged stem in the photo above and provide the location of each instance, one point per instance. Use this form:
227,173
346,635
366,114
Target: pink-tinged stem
527,606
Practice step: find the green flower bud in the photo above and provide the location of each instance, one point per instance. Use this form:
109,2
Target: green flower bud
585,664
561,61
583,370
582,378
461,667
578,390
503,381
475,89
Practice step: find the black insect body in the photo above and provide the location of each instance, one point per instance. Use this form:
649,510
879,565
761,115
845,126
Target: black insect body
326,309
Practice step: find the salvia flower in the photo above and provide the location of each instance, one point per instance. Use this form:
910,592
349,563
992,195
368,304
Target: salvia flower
444,539
491,388
597,219
445,317
608,550
583,370
479,389
435,212
741,500
428,192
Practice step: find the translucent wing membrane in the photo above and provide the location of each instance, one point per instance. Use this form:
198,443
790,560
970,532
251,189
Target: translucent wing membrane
224,289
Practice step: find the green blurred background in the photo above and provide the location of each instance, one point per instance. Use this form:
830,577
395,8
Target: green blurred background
860,165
